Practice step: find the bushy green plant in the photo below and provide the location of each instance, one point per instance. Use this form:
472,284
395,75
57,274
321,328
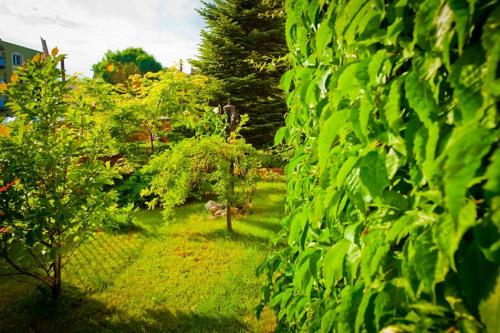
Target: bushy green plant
393,191
130,188
275,157
197,167
54,154
120,219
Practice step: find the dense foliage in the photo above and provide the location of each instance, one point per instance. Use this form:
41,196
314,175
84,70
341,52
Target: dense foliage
239,35
393,192
148,114
51,159
116,67
216,162
197,167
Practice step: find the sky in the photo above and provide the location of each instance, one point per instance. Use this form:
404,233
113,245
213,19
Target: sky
86,29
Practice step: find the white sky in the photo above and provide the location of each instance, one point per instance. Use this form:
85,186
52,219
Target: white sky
86,29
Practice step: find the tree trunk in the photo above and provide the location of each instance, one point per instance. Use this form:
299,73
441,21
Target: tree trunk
228,218
151,140
56,285
231,194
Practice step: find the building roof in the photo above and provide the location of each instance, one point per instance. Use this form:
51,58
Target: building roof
2,41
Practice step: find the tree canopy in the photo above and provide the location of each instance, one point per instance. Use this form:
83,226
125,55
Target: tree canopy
117,67
239,35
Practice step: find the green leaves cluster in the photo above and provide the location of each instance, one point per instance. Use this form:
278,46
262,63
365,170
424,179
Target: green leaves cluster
197,167
116,67
393,192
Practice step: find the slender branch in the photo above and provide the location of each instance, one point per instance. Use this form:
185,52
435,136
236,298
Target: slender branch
19,269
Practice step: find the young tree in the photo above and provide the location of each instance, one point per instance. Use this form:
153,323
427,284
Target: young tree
212,162
117,67
54,154
240,34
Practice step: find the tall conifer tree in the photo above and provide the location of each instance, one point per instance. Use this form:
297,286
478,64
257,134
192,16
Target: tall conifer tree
239,35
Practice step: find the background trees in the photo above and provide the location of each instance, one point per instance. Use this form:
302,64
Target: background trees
117,67
393,191
54,153
240,35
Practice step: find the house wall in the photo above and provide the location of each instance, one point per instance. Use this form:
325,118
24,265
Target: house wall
6,66
9,50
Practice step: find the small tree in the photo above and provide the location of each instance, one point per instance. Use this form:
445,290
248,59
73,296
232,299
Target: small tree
54,152
210,163
116,67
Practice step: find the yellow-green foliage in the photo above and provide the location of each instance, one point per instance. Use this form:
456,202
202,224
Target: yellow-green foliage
54,154
393,195
199,166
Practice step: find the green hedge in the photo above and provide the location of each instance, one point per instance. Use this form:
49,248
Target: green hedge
393,192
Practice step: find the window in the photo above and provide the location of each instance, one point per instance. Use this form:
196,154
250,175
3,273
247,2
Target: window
17,59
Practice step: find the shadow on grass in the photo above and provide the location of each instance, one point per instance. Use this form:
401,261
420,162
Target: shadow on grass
233,236
77,312
257,221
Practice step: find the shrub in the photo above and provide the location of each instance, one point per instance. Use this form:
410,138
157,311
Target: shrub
197,167
393,193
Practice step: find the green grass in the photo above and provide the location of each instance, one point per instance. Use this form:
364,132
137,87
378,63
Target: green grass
190,275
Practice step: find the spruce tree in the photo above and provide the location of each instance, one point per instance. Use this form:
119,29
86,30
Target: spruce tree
239,35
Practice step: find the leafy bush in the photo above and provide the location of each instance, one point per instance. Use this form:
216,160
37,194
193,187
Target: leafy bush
197,167
393,192
121,219
276,157
129,190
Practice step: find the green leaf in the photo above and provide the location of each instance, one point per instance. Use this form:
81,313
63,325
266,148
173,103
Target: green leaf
348,309
392,163
466,149
421,99
297,226
489,309
493,175
329,131
461,17
287,79
364,116
384,309
373,253
392,108
345,169
354,189
374,173
449,234
363,316
430,265
327,321
491,44
467,80
375,66
347,14
333,263
324,36
280,135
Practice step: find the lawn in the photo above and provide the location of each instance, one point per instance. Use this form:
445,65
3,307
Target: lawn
190,275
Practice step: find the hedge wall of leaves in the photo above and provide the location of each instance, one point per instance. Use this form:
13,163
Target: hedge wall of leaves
393,192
